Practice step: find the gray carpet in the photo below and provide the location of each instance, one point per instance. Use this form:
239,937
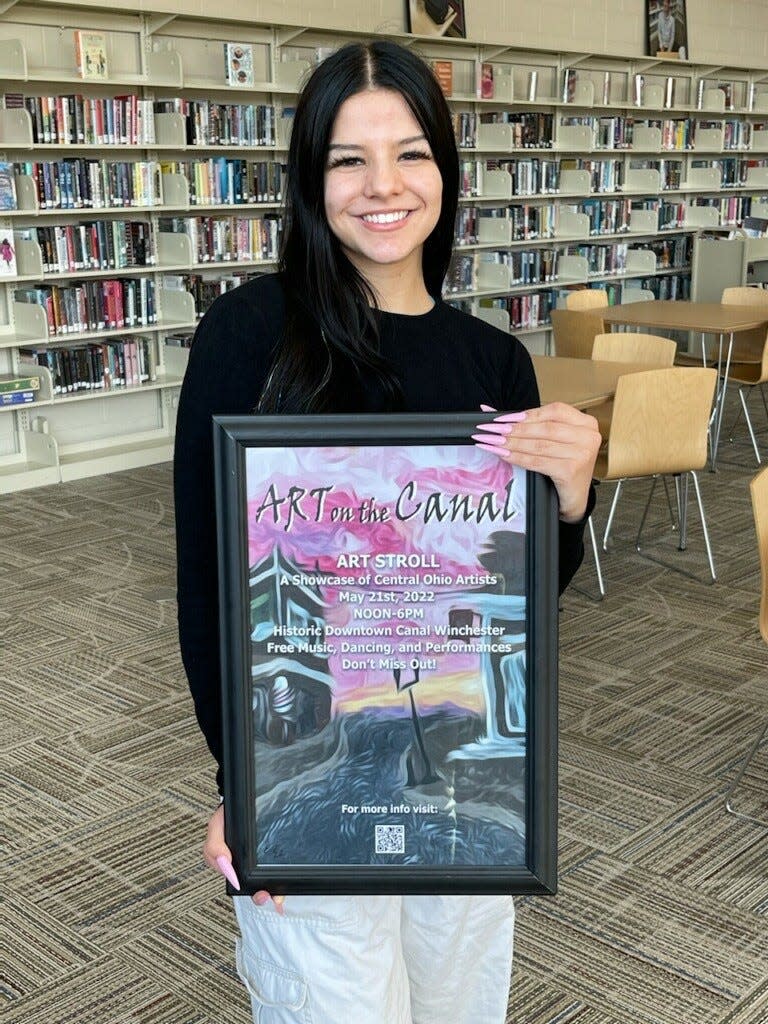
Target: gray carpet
110,916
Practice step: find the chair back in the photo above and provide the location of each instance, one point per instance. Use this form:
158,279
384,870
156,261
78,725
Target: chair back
587,298
660,422
759,490
747,345
636,295
626,347
574,331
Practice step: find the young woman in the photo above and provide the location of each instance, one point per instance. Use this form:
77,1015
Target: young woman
354,322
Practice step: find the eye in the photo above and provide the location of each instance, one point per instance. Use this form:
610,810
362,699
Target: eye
345,161
416,154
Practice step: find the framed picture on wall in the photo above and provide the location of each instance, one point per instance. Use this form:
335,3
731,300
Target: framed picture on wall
388,603
436,18
667,27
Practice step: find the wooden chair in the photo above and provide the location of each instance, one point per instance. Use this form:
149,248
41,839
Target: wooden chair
573,332
659,426
586,298
629,348
624,347
749,358
759,491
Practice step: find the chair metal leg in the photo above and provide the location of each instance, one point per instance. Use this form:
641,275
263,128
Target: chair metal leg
614,503
683,490
645,512
596,557
732,787
749,424
704,526
669,504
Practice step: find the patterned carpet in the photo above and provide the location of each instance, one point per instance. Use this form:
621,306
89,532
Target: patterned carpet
110,916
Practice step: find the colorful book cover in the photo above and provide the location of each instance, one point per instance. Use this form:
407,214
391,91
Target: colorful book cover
444,73
238,64
7,187
10,382
7,255
486,82
91,55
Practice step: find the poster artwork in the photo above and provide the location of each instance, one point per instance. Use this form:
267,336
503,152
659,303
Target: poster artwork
388,647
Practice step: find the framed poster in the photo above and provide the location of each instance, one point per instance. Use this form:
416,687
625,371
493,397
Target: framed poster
436,18
388,606
667,28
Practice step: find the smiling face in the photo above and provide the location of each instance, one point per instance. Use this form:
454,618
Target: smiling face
383,189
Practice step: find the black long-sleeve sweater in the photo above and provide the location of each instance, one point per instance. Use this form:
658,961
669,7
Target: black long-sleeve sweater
447,361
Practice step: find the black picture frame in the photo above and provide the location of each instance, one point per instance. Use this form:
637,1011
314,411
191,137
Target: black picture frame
506,746
671,41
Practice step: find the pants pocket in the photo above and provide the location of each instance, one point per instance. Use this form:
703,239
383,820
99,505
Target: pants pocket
273,987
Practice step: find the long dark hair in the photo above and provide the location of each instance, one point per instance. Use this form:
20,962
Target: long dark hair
331,334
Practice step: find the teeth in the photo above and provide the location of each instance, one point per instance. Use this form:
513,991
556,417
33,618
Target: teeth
385,218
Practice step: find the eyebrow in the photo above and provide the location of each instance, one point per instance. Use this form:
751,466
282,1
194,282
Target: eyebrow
402,142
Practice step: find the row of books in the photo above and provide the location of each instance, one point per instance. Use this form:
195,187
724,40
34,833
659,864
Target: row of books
465,129
89,120
205,290
525,311
225,124
531,175
94,184
117,363
94,305
17,389
530,130
225,239
673,286
535,266
93,245
229,180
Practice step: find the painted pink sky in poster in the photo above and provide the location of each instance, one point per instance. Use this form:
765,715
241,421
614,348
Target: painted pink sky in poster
357,475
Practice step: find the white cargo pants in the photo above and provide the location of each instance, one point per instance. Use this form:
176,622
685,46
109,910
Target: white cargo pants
377,959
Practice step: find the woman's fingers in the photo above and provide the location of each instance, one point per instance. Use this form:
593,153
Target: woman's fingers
218,856
556,440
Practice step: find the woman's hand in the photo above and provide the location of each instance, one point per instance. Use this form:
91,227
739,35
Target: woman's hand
218,856
556,440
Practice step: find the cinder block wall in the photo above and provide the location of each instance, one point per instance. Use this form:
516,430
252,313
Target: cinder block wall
720,31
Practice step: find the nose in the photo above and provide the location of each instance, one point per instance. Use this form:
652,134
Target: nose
383,177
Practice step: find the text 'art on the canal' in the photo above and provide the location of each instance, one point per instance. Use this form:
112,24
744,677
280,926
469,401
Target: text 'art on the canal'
387,624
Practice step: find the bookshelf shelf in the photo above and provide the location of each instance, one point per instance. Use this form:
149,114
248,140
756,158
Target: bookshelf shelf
67,436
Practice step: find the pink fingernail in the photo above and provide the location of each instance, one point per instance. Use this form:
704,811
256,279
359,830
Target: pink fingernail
261,898
491,448
490,439
227,870
496,428
487,408
511,417
279,906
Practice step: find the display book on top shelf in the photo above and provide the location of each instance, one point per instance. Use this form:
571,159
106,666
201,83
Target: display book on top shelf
602,173
108,258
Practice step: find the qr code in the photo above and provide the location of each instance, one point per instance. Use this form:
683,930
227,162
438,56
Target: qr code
390,838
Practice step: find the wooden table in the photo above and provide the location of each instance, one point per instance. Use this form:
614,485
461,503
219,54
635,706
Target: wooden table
704,318
579,382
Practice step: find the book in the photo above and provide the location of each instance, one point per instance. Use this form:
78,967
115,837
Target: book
7,187
444,73
669,93
238,64
91,55
639,90
533,82
485,84
7,255
606,88
570,78
10,382
16,397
